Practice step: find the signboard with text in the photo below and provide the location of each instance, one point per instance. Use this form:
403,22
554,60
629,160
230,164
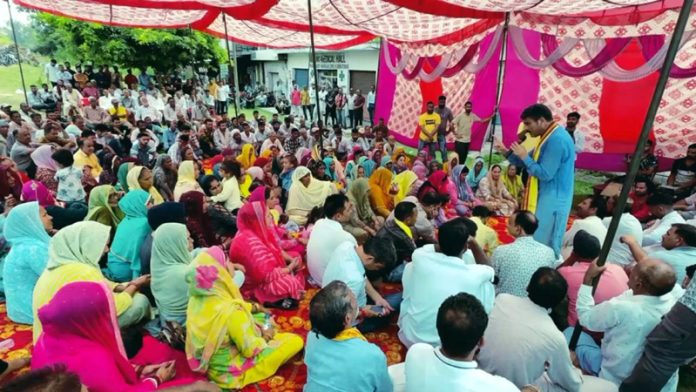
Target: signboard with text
331,61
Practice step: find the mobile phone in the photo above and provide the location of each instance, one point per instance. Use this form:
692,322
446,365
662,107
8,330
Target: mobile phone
378,309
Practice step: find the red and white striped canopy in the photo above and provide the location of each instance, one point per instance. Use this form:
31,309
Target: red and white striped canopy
343,23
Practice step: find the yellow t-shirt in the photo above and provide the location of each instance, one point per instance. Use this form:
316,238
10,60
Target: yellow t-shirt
485,236
121,112
81,159
429,122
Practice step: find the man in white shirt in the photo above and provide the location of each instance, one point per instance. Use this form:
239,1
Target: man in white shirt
590,213
572,120
340,145
515,263
322,102
248,136
272,141
172,111
223,94
146,110
222,137
525,346
72,99
625,320
628,225
660,204
431,277
350,105
357,139
461,322
678,248
371,96
348,264
52,72
327,234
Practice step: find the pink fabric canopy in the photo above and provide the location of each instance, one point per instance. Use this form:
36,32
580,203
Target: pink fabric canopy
340,24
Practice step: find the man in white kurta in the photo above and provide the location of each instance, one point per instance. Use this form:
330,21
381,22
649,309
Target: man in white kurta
326,236
660,205
523,344
626,320
431,277
590,213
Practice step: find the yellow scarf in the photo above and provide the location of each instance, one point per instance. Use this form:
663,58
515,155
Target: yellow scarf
404,227
532,195
350,333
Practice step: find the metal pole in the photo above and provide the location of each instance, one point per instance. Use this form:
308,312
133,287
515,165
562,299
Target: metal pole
644,133
316,74
499,86
229,63
19,57
237,87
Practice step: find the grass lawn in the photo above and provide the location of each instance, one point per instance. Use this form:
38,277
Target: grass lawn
11,83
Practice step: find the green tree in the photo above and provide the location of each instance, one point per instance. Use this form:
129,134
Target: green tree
161,49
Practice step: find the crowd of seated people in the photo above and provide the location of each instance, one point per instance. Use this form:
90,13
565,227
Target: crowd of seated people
194,227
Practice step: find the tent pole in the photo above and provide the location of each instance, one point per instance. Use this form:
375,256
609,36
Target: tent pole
19,57
316,74
229,62
499,86
642,140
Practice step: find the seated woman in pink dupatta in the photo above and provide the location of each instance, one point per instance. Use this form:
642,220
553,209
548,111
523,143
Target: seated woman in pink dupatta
84,336
271,198
272,275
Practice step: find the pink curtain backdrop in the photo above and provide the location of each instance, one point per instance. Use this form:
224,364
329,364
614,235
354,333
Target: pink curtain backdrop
610,129
520,86
483,94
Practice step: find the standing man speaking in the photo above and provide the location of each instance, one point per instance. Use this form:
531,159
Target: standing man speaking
551,168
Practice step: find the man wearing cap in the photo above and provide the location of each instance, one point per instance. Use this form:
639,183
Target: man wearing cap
94,114
262,132
117,110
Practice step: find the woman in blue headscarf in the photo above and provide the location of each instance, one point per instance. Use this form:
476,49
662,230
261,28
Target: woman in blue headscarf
368,166
330,168
26,229
387,163
124,261
477,174
466,200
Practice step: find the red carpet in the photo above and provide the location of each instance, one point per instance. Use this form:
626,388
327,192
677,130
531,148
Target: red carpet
290,377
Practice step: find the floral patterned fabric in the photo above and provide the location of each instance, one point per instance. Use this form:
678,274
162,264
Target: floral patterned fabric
223,338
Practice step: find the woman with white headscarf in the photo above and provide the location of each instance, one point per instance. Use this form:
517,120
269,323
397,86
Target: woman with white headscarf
306,193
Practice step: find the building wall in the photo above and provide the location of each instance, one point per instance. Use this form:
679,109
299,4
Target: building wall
353,60
271,68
